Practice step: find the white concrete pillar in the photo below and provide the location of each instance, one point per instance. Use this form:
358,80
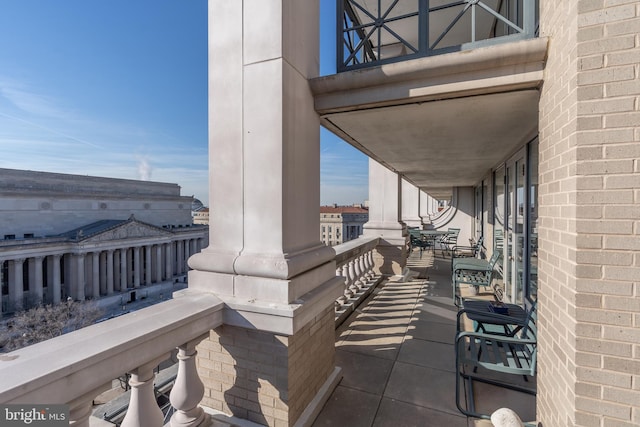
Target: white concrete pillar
95,275
385,201
124,282
110,278
136,267
56,280
36,289
147,265
411,204
79,293
264,170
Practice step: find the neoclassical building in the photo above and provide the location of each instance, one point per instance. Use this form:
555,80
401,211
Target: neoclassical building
68,236
339,224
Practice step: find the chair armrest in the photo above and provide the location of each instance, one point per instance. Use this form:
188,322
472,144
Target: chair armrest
503,318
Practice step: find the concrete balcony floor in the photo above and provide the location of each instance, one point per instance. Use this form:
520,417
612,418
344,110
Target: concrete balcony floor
398,358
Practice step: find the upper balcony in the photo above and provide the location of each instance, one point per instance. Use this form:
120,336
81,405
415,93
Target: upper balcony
376,32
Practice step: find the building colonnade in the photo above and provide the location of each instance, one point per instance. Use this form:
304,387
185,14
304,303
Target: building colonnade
53,274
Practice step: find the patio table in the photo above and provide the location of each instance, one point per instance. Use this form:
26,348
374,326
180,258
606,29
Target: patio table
480,313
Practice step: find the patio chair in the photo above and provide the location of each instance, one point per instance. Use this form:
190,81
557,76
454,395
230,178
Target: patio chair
418,241
475,272
487,358
449,240
471,251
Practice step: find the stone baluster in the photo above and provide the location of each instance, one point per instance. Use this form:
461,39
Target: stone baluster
363,268
188,390
370,263
343,271
351,286
143,410
357,283
80,409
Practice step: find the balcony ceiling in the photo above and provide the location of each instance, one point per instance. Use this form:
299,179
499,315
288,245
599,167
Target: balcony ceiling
441,121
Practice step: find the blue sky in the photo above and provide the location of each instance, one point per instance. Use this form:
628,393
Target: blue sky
118,88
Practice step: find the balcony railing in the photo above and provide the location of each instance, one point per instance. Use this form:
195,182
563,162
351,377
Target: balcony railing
75,368
354,262
375,32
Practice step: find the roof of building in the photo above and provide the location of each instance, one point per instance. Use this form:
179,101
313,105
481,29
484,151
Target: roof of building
343,209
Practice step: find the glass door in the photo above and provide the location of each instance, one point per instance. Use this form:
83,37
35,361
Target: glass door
515,229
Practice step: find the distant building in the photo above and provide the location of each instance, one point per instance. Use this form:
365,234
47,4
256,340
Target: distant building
339,224
68,236
199,212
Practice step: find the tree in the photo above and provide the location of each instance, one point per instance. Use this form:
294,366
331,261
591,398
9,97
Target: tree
46,321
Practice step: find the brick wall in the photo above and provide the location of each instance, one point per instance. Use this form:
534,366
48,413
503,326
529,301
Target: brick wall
266,378
589,210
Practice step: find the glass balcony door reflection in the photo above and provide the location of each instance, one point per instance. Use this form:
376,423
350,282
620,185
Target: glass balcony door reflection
515,227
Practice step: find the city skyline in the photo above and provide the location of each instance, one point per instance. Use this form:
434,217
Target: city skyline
119,90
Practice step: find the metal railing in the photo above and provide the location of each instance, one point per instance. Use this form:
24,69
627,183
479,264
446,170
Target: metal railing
375,32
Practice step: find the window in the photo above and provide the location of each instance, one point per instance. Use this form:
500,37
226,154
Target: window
9,236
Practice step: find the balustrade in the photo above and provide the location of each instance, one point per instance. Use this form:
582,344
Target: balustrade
75,368
354,261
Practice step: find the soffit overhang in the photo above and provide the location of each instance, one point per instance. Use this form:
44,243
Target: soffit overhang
441,121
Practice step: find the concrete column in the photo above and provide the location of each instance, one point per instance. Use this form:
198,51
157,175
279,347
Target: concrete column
168,261
116,270
80,278
385,200
158,263
124,282
264,245
180,257
110,279
56,282
16,283
36,289
411,204
103,273
136,267
95,275
147,265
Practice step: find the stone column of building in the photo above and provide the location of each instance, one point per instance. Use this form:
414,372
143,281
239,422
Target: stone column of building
385,199
180,257
95,275
410,204
158,263
37,288
265,253
136,267
110,276
124,269
103,272
56,282
80,279
589,205
16,283
147,265
168,261
116,270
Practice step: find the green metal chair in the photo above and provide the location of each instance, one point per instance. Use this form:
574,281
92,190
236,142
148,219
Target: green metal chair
475,272
486,357
449,240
